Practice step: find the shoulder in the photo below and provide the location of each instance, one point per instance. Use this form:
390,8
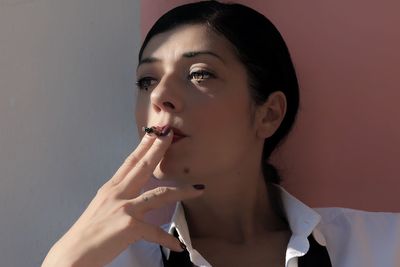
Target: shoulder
359,238
345,218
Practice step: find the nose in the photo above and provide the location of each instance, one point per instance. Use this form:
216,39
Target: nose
167,96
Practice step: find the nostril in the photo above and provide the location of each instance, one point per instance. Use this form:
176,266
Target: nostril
169,105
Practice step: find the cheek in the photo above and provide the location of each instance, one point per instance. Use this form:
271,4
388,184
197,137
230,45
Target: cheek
224,129
226,116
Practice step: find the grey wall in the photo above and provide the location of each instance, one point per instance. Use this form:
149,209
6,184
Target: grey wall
66,114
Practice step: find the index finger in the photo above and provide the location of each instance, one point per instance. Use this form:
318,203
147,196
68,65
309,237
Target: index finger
132,159
141,172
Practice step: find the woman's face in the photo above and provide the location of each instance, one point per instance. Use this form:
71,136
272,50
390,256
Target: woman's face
190,79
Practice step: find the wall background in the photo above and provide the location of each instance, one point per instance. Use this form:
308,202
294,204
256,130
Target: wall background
345,148
66,119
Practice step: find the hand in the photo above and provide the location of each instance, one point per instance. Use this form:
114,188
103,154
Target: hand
114,218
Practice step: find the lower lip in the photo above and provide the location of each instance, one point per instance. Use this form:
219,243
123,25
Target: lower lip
176,138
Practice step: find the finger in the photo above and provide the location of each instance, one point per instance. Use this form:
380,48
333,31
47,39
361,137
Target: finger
141,172
133,158
160,196
157,235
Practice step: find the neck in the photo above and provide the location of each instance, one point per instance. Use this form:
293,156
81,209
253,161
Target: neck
237,210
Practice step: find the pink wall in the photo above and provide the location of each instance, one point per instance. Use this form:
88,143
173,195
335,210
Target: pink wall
345,149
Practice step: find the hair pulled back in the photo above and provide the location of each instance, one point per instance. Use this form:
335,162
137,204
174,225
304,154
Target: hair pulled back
261,49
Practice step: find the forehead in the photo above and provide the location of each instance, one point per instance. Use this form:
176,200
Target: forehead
197,37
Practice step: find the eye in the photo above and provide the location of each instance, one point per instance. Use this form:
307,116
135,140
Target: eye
145,82
201,75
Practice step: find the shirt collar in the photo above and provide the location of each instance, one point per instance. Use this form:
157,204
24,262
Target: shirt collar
302,221
179,223
301,218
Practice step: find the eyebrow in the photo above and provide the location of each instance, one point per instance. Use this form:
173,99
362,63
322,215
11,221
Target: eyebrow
190,54
198,53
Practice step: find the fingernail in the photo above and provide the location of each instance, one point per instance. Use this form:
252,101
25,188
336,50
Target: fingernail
149,130
199,186
152,131
183,246
165,131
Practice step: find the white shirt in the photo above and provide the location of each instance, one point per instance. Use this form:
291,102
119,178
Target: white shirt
353,238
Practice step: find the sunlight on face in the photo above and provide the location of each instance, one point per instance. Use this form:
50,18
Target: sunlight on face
190,78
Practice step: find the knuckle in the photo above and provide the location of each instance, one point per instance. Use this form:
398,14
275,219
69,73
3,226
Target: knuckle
146,197
112,193
101,190
115,181
129,225
126,208
143,164
107,187
131,159
162,190
104,196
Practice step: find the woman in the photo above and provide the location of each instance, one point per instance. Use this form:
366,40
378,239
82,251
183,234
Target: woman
217,93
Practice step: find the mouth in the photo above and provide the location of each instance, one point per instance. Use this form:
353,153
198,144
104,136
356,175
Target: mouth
177,138
178,134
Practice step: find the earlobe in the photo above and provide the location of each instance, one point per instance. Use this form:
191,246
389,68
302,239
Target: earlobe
270,115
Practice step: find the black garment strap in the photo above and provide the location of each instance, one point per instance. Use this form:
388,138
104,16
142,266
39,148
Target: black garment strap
177,259
317,256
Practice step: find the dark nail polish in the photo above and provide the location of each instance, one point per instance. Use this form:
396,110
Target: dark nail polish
147,129
199,186
150,130
165,131
182,245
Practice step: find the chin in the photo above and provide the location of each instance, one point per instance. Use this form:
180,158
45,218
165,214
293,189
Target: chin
171,173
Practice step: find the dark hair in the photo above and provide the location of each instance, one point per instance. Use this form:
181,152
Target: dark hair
261,49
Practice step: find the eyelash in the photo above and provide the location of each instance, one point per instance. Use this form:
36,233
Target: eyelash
199,76
145,82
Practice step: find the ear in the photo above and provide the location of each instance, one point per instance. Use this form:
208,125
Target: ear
269,116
